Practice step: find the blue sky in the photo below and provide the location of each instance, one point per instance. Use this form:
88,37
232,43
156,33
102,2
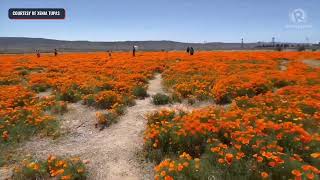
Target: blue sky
178,20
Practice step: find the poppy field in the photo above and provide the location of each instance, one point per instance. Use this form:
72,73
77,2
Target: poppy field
93,78
262,122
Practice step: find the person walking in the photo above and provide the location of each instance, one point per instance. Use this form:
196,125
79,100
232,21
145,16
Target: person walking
38,53
110,54
191,51
188,49
134,51
55,52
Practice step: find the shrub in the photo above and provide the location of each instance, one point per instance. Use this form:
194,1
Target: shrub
106,99
26,127
160,99
128,101
59,107
70,95
55,167
176,98
191,100
40,87
118,109
140,92
89,100
106,119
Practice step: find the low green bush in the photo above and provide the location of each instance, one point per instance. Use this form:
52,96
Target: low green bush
160,99
140,92
52,168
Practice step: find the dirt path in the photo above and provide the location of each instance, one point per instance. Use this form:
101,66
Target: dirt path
114,153
6,173
283,65
312,63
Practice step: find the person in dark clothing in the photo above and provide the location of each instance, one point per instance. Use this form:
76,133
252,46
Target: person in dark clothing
38,53
133,51
191,51
110,54
55,52
188,49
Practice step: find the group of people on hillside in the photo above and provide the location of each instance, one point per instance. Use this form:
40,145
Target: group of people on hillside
55,52
190,50
134,49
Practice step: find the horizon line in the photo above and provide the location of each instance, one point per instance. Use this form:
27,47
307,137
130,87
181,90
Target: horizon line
204,42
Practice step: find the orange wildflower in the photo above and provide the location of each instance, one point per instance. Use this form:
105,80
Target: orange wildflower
168,178
163,173
5,135
67,177
264,175
296,172
316,155
180,167
259,159
229,157
310,176
272,164
185,164
221,161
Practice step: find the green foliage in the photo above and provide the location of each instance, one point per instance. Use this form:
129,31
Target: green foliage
106,99
70,95
89,100
160,99
140,92
59,108
128,101
40,87
21,130
54,167
176,98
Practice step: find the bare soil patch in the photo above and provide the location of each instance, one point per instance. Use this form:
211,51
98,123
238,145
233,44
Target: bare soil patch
312,63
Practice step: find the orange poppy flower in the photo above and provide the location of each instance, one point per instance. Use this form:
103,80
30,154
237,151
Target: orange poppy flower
229,157
264,175
310,176
296,172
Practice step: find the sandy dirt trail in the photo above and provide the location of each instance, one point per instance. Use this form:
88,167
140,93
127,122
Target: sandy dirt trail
312,63
114,153
284,65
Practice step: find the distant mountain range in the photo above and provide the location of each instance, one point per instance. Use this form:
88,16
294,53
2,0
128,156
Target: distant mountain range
26,45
